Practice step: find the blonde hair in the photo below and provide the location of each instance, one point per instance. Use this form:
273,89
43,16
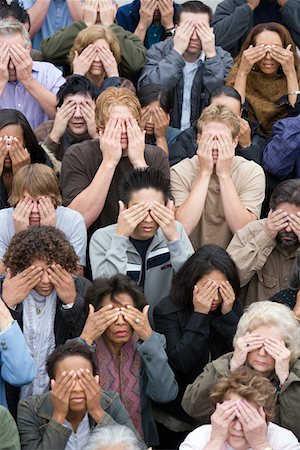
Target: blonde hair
268,313
89,35
114,96
221,114
37,180
9,28
249,386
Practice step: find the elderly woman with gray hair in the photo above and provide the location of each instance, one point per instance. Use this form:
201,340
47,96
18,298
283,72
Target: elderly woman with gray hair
114,437
268,341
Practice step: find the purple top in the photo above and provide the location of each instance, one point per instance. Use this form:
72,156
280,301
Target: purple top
15,95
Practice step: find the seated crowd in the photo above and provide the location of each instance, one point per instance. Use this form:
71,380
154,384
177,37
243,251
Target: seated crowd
149,225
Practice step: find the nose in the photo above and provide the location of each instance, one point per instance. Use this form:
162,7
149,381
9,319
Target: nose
148,218
97,57
262,351
123,127
217,295
194,35
120,320
288,229
77,112
11,64
77,386
151,119
35,208
45,277
237,424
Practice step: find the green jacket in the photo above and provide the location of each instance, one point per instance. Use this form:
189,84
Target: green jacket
9,436
197,404
56,47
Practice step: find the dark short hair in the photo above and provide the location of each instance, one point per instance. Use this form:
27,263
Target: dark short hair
225,91
206,259
15,10
39,242
65,351
139,179
151,93
286,192
118,284
77,84
195,7
14,117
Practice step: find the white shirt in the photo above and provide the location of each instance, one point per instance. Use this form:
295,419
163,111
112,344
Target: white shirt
279,438
78,440
189,72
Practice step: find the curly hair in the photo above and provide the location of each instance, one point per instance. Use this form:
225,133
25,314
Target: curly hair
43,243
248,385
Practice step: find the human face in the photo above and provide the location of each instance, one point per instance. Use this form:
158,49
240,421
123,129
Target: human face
259,359
9,40
119,332
77,401
148,227
217,128
286,238
77,125
44,287
34,218
97,68
149,125
14,131
233,104
218,277
122,113
236,437
267,64
195,47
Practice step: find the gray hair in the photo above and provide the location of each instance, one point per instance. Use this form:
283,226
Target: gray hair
269,313
10,28
113,436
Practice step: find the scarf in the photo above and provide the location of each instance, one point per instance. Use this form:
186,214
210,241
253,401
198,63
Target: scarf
38,329
262,93
125,378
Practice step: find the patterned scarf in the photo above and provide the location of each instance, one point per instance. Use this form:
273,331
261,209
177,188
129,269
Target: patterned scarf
123,378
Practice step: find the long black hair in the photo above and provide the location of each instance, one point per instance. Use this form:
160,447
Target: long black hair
206,259
14,117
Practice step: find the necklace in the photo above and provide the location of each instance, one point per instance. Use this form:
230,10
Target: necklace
39,305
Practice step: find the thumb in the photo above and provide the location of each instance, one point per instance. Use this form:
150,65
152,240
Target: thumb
8,275
75,54
91,310
289,47
145,310
250,46
52,383
121,206
170,205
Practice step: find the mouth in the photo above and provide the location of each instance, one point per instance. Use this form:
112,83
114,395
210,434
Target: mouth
77,399
121,333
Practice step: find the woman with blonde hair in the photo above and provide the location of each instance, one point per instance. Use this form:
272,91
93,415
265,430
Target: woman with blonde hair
268,341
244,407
96,54
266,74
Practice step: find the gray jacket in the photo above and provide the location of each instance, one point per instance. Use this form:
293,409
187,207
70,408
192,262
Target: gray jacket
164,67
233,20
111,254
38,431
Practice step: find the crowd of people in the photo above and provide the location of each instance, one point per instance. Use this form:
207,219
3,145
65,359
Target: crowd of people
149,225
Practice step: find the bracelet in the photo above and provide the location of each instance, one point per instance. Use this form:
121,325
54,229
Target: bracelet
294,93
170,29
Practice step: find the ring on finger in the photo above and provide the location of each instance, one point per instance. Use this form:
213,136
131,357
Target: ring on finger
137,321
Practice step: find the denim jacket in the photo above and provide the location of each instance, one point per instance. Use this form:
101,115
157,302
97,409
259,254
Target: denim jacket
38,431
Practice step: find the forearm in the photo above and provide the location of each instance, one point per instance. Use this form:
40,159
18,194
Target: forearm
45,98
190,212
141,31
37,14
90,202
236,214
75,9
293,85
2,86
240,84
162,143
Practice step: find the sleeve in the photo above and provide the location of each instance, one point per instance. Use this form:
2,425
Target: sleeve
162,69
53,435
252,193
54,78
181,249
216,70
160,162
78,237
231,23
180,187
197,439
161,384
282,151
290,13
9,433
56,47
27,4
250,251
183,347
196,400
108,254
17,364
5,235
74,178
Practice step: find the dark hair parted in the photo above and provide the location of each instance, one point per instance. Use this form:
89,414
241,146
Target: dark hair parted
139,179
14,117
286,192
66,351
151,93
14,10
225,91
118,284
206,259
77,84
195,7
248,385
45,243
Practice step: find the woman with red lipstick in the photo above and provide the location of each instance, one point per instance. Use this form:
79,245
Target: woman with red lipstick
130,355
267,74
244,407
268,341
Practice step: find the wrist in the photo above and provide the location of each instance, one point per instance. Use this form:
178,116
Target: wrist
139,163
263,446
109,164
27,83
210,54
97,415
55,137
59,416
10,302
89,339
169,26
172,237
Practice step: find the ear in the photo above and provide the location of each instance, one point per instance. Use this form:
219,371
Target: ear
235,141
289,47
198,137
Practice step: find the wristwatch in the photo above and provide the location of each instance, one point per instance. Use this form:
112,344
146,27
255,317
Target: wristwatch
170,32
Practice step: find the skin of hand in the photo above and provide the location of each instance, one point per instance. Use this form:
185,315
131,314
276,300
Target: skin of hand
142,327
22,61
161,122
63,283
277,220
281,354
3,153
83,61
92,390
89,12
62,117
129,218
244,345
165,218
87,108
136,143
220,420
107,12
285,57
226,153
47,212
228,297
294,222
203,298
19,156
166,13
207,38
204,152
253,4
4,60
244,134
98,321
60,395
110,142
22,213
109,62
251,56
16,288
296,309
183,35
147,8
254,424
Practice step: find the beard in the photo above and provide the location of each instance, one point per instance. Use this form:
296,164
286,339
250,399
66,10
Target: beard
287,239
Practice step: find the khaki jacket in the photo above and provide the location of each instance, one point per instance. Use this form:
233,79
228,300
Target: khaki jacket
197,404
263,266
